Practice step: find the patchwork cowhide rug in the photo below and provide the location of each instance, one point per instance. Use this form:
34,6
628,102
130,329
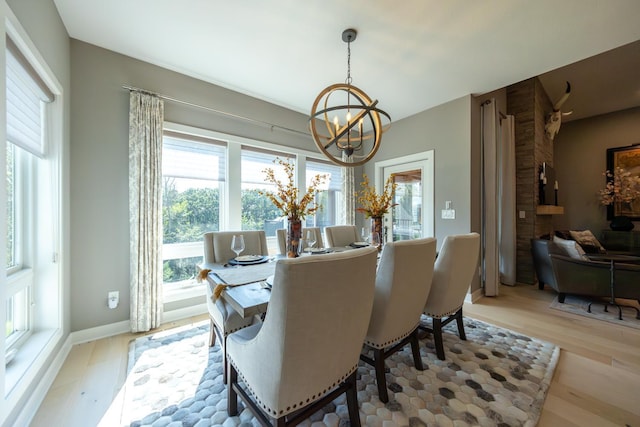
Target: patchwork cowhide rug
495,378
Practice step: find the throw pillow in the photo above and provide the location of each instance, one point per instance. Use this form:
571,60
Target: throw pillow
571,247
564,234
588,241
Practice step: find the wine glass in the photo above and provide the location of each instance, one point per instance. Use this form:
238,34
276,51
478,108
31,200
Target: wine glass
237,244
311,238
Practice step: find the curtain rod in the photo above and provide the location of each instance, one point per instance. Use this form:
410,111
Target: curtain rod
213,110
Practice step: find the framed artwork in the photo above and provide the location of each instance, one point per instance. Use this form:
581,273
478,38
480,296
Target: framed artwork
629,159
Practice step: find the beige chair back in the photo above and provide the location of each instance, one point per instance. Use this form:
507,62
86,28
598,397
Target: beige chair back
341,235
313,331
217,245
281,236
455,266
403,281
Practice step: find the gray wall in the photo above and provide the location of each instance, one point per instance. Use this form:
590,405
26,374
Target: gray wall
99,163
580,158
446,129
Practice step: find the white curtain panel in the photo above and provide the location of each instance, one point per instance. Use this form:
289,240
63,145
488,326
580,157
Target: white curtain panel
490,203
507,199
146,116
348,189
498,199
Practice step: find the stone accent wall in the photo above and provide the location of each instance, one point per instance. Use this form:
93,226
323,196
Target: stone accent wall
528,103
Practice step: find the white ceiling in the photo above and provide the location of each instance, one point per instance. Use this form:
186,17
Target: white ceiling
411,55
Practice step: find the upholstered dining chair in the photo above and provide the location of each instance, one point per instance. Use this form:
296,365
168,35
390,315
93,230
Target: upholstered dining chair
403,282
217,245
217,249
306,351
455,266
281,236
341,235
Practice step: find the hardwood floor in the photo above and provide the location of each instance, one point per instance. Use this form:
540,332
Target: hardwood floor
596,381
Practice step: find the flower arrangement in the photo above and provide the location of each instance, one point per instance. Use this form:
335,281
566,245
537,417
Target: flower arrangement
374,205
285,197
621,187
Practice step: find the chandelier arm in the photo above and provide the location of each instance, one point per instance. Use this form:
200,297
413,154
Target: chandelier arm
348,126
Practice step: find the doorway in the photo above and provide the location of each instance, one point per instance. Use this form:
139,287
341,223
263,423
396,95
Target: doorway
413,216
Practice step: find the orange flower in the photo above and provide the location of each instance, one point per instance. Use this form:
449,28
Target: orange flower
285,197
374,205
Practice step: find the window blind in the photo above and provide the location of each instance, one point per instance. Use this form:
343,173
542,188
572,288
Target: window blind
256,160
26,96
334,172
184,156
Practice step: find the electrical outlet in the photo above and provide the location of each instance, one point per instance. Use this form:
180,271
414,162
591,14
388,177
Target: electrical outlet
113,297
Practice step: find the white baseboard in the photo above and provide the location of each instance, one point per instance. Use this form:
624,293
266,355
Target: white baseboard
124,326
474,296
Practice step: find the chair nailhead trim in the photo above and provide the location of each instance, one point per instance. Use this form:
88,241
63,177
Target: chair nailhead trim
293,407
391,341
441,315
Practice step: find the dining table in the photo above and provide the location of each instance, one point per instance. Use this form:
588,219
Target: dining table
247,288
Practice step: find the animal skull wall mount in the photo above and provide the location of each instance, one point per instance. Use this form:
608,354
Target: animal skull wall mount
554,119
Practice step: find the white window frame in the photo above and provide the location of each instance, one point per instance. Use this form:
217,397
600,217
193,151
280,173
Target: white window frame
47,297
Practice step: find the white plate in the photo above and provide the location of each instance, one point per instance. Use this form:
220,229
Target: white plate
248,258
360,244
318,250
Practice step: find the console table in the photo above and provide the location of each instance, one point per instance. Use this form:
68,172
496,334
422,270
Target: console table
621,241
613,259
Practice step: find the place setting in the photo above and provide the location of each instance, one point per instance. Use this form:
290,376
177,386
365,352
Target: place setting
238,246
309,242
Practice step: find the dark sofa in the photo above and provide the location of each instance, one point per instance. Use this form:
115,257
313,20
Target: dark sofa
567,275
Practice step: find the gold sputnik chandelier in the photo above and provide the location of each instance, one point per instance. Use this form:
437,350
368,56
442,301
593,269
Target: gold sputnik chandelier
348,128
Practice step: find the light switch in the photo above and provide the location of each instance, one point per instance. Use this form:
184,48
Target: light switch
448,214
522,214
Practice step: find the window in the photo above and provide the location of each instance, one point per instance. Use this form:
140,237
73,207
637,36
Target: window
330,198
33,146
19,254
193,172
212,182
258,213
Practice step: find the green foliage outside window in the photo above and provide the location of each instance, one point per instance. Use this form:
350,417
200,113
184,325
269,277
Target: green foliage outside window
256,209
187,215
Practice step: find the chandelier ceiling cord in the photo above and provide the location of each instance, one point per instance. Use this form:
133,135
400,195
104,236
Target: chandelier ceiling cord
348,133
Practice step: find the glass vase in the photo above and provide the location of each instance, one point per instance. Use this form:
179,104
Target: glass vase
376,229
294,236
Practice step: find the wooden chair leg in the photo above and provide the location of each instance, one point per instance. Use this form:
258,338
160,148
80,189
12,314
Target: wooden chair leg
378,358
212,333
437,338
415,349
463,335
223,348
352,401
232,396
